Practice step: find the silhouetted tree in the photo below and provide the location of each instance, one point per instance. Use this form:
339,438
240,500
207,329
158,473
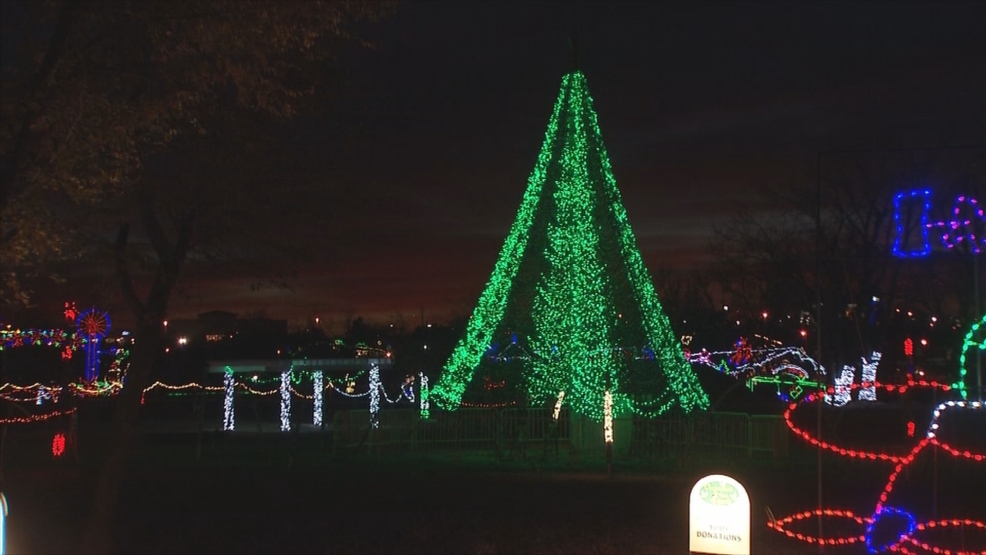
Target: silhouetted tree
94,95
769,260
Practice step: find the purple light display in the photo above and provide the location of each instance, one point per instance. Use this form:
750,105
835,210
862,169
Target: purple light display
967,224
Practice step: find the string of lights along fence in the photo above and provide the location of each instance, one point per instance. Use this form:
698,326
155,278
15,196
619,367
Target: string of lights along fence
375,391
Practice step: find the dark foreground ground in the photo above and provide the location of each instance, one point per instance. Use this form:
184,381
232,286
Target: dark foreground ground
271,493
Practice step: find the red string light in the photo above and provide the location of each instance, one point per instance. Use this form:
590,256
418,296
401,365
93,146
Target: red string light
58,445
488,405
955,522
781,526
900,463
36,417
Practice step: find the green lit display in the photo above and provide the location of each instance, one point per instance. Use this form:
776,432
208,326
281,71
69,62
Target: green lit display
571,292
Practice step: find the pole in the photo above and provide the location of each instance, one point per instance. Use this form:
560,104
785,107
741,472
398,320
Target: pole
978,314
934,473
818,331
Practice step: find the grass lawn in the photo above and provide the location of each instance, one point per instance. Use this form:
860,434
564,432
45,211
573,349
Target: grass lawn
274,493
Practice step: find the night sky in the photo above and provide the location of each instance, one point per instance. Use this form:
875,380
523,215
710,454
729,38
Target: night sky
430,136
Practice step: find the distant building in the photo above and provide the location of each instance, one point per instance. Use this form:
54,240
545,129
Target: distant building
218,325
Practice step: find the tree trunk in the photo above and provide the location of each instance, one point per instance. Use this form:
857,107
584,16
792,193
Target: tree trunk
102,518
148,344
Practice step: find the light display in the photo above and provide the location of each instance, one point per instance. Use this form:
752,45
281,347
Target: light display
789,386
285,401
408,388
58,445
317,393
66,341
961,228
31,393
375,388
94,389
901,217
555,413
908,536
423,393
608,417
966,226
229,417
93,325
789,369
969,342
297,378
843,387
36,417
868,390
570,286
745,361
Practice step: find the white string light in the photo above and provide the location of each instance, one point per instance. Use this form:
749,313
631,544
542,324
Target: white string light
317,389
228,416
554,415
758,362
285,400
423,394
936,415
608,416
375,388
868,391
843,387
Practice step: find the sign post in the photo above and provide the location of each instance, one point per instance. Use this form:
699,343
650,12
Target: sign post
719,517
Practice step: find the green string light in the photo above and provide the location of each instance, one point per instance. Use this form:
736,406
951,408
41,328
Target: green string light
969,341
571,286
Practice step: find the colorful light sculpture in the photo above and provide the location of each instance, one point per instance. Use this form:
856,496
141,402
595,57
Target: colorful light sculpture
92,325
966,226
571,287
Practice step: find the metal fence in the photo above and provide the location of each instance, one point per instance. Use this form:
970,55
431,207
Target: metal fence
523,431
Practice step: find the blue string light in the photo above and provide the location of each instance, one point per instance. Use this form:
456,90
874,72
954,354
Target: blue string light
879,515
925,245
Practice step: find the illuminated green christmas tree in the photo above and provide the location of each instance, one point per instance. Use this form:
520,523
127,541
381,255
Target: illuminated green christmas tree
570,306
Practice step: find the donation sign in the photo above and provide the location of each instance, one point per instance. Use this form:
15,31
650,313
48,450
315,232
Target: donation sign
719,517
